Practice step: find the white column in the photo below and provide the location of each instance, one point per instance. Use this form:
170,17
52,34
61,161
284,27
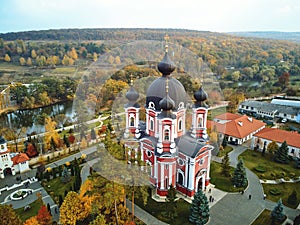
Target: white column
191,175
162,176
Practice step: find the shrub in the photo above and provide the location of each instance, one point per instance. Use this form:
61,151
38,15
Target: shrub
275,191
292,199
260,169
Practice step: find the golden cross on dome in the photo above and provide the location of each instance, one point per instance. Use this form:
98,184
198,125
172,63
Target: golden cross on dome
166,42
167,86
131,80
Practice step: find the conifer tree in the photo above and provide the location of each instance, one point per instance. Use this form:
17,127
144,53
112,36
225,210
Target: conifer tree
281,154
226,166
65,176
171,202
239,176
199,209
292,199
277,213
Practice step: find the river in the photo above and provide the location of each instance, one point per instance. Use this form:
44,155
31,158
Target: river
30,118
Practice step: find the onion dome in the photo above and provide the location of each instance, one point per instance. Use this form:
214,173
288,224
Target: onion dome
2,140
132,95
166,66
201,97
167,103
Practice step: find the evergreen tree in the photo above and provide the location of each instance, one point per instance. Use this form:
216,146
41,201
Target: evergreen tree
226,166
93,134
171,202
65,176
199,209
281,154
239,176
297,220
277,213
292,199
224,142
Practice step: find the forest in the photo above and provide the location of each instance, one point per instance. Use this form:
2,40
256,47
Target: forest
242,65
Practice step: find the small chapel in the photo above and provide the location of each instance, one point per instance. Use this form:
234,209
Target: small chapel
176,156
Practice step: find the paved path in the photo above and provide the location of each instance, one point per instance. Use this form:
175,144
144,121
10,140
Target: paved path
237,209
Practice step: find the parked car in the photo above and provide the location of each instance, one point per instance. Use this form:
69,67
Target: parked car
284,120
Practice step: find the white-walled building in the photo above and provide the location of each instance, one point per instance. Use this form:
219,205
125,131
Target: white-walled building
11,163
267,135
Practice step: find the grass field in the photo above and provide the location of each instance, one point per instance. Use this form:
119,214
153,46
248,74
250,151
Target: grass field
55,188
35,206
215,112
220,181
272,170
263,219
285,189
158,209
227,149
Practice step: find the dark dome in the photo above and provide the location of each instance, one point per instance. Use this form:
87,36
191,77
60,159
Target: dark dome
2,140
200,95
166,66
157,91
166,103
132,95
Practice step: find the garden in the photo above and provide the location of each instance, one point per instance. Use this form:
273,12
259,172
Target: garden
267,169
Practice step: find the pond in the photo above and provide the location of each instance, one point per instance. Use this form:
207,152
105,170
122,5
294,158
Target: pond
31,118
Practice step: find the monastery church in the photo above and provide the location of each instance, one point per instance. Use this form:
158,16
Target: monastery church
176,156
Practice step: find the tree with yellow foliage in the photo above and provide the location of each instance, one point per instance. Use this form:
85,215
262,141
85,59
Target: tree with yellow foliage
33,54
73,54
32,221
22,61
6,58
51,137
73,209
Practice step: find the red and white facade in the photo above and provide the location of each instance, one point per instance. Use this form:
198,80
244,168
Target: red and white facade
11,163
176,156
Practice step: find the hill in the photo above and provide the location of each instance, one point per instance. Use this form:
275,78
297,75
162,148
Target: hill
289,36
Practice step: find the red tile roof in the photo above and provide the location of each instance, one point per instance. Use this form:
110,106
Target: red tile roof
228,116
291,138
239,126
21,157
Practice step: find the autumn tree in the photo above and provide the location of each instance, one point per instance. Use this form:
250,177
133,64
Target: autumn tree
51,135
33,54
29,62
226,166
32,221
22,61
284,80
14,134
8,215
272,147
100,220
7,58
72,209
43,216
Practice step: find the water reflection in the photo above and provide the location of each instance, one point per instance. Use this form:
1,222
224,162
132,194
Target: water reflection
31,119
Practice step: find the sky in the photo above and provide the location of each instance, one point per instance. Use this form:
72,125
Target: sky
208,15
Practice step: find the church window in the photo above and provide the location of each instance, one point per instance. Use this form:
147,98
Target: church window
149,153
201,161
180,124
180,178
180,162
151,124
167,135
131,121
200,122
2,146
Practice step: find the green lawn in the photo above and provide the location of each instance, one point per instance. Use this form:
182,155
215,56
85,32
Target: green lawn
285,189
215,112
255,161
158,209
220,181
227,149
263,219
55,187
33,211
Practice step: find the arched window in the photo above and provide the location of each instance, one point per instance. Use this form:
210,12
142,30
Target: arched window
180,124
200,122
167,134
180,178
151,124
132,121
